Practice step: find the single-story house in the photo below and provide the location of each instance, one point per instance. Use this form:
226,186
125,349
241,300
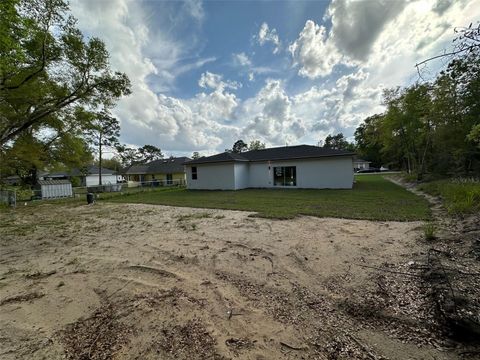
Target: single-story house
88,176
360,164
158,172
301,166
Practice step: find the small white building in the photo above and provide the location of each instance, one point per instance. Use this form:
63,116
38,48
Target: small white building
302,166
55,189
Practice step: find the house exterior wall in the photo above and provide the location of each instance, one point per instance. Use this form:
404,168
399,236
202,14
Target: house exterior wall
219,176
325,173
92,180
242,178
163,177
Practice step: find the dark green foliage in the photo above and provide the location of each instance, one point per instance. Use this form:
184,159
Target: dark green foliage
338,142
47,68
50,75
130,156
239,146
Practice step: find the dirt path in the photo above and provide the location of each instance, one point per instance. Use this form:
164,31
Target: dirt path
148,282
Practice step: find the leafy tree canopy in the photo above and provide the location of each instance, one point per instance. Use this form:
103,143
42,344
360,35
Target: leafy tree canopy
338,142
48,70
256,145
239,146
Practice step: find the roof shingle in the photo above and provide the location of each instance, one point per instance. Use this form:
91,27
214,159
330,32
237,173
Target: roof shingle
278,153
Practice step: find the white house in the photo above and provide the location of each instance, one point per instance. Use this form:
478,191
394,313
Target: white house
302,166
360,164
88,176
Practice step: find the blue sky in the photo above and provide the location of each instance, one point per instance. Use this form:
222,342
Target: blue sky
205,74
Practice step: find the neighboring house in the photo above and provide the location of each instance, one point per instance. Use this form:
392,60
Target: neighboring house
301,166
159,172
359,164
88,176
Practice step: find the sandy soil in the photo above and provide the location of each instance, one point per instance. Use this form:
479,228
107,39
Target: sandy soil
157,282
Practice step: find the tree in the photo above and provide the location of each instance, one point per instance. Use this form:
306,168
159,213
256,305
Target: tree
338,142
239,146
149,153
47,69
131,156
29,153
256,145
103,131
195,155
369,141
474,135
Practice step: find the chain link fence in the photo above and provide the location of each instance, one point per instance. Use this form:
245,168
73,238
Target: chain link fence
8,197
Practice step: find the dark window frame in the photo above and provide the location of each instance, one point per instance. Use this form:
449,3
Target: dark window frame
285,176
194,173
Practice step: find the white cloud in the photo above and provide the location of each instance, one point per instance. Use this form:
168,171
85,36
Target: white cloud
314,52
215,117
357,24
241,59
265,34
215,81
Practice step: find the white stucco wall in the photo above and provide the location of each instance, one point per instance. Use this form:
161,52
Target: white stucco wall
323,173
218,176
92,180
242,175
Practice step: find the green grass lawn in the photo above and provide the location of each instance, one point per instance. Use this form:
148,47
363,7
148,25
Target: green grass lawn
372,198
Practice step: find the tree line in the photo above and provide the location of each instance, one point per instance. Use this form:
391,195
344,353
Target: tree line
430,127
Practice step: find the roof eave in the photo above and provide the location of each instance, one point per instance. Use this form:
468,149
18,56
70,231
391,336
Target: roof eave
215,162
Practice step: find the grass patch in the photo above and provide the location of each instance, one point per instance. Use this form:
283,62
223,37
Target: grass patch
429,230
372,198
459,196
186,217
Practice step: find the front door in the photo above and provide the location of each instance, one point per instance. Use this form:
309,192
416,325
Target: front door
169,179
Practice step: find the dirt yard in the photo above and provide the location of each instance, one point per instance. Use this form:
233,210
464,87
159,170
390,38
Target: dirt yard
155,282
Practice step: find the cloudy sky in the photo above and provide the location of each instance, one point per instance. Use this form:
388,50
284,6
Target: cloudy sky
205,74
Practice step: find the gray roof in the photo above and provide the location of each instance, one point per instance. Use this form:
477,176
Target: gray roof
162,166
137,169
53,182
278,153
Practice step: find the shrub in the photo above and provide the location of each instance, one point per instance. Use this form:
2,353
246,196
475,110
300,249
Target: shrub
429,231
460,195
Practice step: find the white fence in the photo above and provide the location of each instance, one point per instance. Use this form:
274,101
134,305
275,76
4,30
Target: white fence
8,197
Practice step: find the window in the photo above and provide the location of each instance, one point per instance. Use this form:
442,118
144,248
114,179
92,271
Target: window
194,173
285,176
169,179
